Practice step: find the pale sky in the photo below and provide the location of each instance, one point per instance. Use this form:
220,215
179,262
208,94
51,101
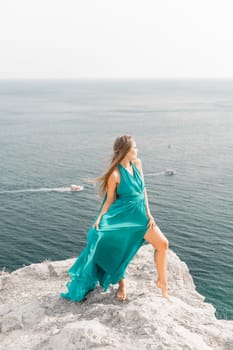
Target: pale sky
116,39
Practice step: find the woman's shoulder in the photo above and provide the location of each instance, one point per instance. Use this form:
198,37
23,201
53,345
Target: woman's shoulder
137,161
138,164
115,174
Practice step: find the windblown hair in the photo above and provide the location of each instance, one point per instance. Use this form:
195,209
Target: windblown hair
121,147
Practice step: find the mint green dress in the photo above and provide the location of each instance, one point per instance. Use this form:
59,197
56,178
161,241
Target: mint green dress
110,249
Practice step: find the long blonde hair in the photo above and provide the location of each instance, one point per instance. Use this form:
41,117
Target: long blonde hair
121,147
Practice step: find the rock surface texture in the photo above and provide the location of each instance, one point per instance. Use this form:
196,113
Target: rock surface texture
33,316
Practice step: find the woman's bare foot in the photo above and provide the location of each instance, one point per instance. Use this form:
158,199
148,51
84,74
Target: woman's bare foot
163,287
121,294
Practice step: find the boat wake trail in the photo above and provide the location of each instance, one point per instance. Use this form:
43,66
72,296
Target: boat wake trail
44,189
76,188
165,172
155,174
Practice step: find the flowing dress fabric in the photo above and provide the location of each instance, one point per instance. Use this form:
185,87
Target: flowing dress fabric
110,249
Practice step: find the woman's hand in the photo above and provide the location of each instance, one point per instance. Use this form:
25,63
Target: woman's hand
96,224
151,223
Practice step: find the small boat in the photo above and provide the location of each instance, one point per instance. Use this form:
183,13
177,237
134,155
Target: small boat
75,188
170,172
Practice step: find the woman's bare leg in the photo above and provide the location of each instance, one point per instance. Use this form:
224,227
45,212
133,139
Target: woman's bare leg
155,237
121,292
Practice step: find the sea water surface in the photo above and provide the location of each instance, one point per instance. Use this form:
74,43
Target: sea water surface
57,133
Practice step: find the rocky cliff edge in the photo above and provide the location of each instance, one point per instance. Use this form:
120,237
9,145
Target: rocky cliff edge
34,317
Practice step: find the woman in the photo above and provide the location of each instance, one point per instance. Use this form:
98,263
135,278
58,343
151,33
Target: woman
122,225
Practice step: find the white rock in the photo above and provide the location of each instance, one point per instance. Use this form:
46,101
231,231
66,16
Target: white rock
33,316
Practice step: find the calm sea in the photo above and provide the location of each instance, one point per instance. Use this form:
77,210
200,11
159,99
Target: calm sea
57,133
